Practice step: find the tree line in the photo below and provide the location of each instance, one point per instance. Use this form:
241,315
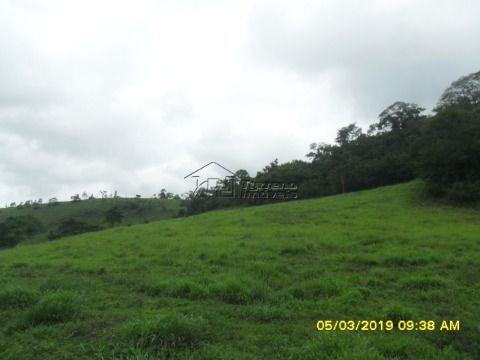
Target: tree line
405,143
104,194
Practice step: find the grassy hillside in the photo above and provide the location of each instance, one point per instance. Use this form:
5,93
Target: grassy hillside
134,211
251,284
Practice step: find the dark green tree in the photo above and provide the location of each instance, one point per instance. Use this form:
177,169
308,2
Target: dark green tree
71,226
397,116
17,229
113,216
242,174
450,161
348,134
463,91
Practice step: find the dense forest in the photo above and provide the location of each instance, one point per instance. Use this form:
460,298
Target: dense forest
442,148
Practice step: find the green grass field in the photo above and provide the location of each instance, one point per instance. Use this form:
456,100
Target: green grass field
134,211
251,283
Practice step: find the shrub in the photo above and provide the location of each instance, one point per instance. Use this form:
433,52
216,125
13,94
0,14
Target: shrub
71,226
467,191
19,228
181,213
113,216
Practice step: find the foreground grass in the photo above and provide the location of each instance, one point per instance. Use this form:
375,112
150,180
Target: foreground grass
251,283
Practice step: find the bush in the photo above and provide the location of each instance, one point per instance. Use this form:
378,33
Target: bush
19,228
70,226
181,213
113,216
464,191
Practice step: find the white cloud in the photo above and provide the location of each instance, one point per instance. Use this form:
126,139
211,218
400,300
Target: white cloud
132,95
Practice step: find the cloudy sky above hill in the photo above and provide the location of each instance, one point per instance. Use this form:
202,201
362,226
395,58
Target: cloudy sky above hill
133,95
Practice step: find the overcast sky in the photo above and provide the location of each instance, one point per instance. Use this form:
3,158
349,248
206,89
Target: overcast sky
134,95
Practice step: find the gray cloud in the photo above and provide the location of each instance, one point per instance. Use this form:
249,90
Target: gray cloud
381,51
133,95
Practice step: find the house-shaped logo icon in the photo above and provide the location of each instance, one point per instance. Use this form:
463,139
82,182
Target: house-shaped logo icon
210,176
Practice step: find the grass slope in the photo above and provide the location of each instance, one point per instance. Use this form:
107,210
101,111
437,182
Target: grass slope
135,211
251,283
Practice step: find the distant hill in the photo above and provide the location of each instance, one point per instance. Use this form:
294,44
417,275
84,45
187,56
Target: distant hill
93,213
252,283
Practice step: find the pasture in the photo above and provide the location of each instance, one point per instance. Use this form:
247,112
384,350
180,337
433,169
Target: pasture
252,283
